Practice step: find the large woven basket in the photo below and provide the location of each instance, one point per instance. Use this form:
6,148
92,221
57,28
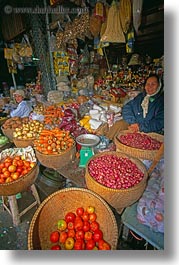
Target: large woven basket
118,198
56,161
20,143
58,204
21,184
135,152
8,133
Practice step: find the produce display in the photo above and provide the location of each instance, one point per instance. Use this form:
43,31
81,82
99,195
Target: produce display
13,168
79,230
15,122
115,172
140,141
30,130
53,141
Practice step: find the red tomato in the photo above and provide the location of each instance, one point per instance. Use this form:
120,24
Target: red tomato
94,226
70,225
24,172
1,180
4,169
12,168
6,174
98,234
80,211
86,226
2,165
20,163
56,247
103,245
9,179
26,163
85,216
71,233
79,234
92,217
79,244
78,223
8,159
88,235
7,164
90,244
19,169
70,217
54,237
63,237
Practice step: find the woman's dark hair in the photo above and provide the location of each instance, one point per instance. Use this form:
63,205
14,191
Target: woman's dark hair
156,76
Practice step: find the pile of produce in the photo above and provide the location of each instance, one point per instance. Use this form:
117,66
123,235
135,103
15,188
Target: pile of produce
15,122
79,230
52,114
30,130
140,141
13,168
53,141
115,172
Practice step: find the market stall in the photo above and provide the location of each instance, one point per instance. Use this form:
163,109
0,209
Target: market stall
72,129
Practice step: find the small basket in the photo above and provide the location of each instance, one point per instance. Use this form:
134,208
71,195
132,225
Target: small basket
8,133
57,205
21,143
118,198
21,184
56,161
135,152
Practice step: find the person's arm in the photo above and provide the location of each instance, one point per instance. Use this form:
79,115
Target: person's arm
130,110
16,112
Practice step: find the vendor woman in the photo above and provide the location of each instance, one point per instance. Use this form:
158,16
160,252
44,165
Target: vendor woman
24,107
145,113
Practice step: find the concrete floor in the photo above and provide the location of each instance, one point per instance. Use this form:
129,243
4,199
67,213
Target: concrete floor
15,238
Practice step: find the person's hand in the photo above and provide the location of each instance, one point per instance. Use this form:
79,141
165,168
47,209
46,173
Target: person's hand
133,127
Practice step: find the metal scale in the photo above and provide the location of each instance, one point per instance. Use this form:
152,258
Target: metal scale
87,142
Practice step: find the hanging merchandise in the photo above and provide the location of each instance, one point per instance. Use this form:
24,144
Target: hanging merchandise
130,39
95,25
137,14
53,40
113,32
99,11
104,24
125,13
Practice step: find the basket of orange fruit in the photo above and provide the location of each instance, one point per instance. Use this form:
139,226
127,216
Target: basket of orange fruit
18,170
55,148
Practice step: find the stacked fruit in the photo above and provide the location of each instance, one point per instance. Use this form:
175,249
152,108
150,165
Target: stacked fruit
12,168
79,231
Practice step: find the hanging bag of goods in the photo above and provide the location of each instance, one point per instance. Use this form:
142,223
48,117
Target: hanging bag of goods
113,32
125,14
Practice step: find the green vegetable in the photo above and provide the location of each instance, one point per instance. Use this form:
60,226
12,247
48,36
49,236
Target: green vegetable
3,140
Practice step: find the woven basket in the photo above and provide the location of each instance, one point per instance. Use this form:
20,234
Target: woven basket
117,198
21,184
135,152
57,205
20,143
8,133
56,161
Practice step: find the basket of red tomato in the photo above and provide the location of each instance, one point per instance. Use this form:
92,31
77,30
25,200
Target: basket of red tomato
73,219
18,170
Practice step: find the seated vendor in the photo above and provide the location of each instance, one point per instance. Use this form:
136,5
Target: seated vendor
144,113
24,107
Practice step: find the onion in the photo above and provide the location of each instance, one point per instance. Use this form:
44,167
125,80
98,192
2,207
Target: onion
115,172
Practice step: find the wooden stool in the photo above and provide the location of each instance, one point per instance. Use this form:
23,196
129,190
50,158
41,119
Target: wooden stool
13,205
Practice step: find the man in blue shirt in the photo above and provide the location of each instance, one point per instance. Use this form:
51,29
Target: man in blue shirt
24,107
